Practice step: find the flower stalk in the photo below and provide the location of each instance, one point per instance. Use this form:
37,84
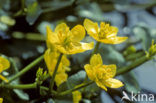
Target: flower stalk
25,86
27,68
119,72
76,88
54,73
94,51
136,63
96,47
20,86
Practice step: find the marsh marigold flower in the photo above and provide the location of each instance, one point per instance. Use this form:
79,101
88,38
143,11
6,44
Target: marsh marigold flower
76,96
102,74
105,33
68,41
1,100
4,64
51,58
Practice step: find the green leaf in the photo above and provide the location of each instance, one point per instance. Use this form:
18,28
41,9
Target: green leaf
33,11
142,33
131,7
81,58
76,79
7,20
62,87
91,10
21,94
72,81
50,101
111,55
86,101
63,101
131,83
5,5
121,1
153,33
56,5
92,88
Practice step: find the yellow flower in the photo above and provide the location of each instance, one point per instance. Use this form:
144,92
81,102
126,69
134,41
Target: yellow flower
152,49
67,41
4,64
102,74
76,96
1,100
105,33
51,58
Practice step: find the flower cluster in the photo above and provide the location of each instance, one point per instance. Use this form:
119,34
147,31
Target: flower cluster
66,42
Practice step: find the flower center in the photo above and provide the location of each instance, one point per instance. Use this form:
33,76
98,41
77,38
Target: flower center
64,39
105,31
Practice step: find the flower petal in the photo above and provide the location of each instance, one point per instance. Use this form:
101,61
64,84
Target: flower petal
113,32
77,96
1,100
113,83
90,72
96,60
65,61
110,70
51,38
78,33
87,46
50,59
91,27
4,79
62,49
76,47
60,78
4,64
62,28
115,40
100,84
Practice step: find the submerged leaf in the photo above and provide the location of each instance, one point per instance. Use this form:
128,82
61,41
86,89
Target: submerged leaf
33,11
76,79
21,94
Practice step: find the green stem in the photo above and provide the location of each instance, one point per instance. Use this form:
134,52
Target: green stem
54,73
135,56
76,88
27,68
14,65
132,65
96,48
94,51
21,86
119,72
25,86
